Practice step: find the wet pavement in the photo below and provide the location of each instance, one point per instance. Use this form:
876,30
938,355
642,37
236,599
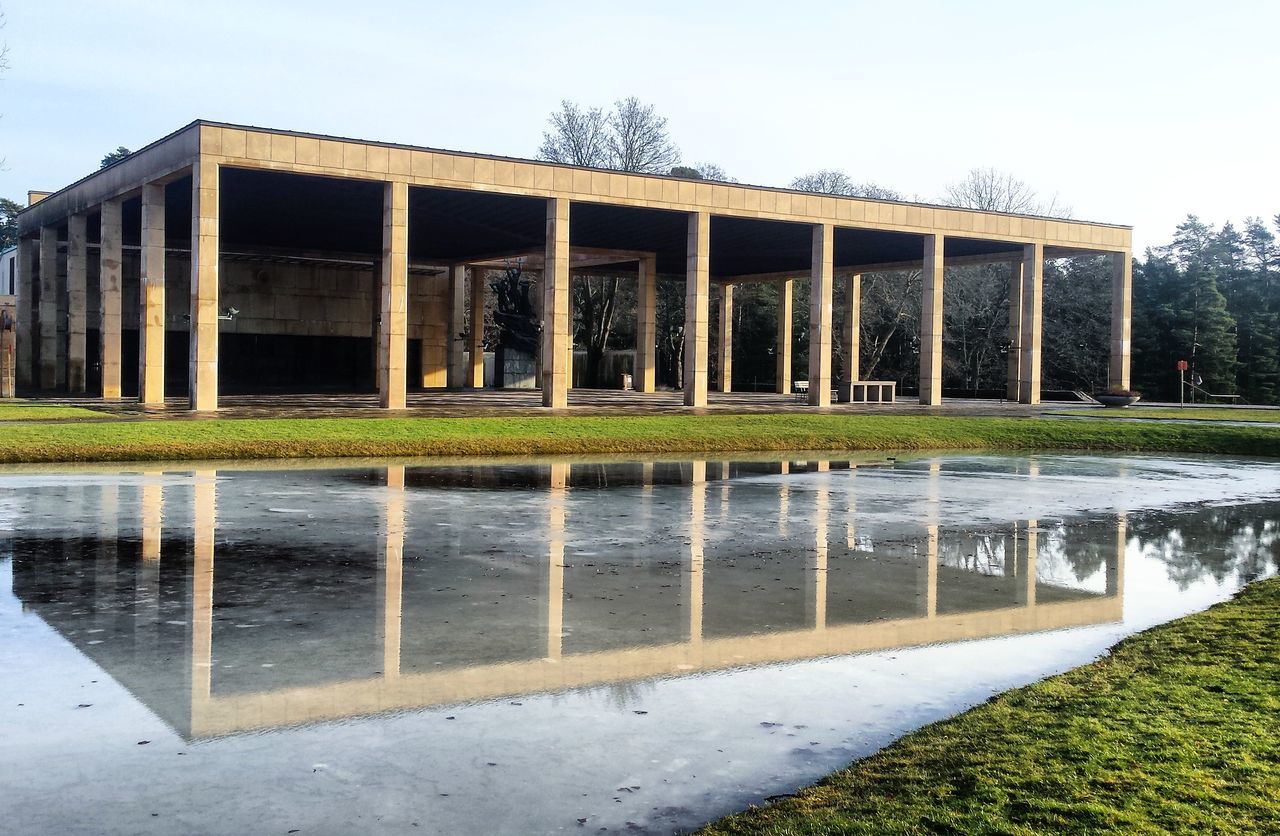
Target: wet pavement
551,646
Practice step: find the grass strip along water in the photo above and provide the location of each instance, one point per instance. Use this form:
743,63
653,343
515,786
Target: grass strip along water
1175,731
1190,413
268,438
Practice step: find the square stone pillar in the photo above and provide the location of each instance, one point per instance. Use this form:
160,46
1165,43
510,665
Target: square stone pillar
782,339
202,369
1121,318
110,297
77,302
1015,331
394,292
151,313
931,322
557,342
697,308
852,336
27,372
645,378
49,377
724,346
820,293
433,354
475,336
457,304
1032,302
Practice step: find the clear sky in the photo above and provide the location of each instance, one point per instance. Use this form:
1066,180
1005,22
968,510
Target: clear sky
1131,112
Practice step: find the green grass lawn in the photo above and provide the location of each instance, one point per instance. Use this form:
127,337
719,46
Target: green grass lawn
1190,413
23,411
1178,730
158,440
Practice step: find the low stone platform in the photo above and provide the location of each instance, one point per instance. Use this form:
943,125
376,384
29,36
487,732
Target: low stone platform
510,402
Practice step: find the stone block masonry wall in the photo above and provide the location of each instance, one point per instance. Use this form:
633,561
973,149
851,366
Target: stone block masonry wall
289,299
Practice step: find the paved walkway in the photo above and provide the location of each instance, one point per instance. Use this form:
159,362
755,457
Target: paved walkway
516,402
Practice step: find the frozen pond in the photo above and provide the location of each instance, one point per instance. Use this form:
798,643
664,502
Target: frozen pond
417,647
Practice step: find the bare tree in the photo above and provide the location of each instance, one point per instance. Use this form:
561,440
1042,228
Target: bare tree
576,136
827,181
638,139
997,191
830,181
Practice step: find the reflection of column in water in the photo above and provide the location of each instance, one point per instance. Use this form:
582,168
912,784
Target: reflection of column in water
391,570
203,532
724,490
784,500
556,496
697,520
646,477
152,515
146,589
927,575
1115,561
821,515
851,512
1025,592
108,533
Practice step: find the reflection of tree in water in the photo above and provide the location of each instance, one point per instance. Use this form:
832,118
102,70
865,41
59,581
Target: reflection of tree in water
1215,543
983,552
1068,555
624,694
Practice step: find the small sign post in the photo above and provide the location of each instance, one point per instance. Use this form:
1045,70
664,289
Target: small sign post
1182,383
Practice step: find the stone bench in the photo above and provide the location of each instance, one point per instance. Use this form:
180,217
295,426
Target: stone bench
868,391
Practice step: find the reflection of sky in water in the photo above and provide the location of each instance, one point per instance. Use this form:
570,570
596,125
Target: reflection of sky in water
700,660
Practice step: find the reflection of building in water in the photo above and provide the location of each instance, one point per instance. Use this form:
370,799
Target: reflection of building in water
226,620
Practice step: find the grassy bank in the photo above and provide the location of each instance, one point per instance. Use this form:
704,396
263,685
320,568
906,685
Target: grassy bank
1190,413
1175,731
551,435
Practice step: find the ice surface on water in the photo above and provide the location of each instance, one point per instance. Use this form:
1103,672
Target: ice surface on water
515,647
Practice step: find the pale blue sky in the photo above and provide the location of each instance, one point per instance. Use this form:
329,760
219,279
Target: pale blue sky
1132,112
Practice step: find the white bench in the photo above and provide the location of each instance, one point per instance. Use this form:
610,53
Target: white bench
800,389
868,391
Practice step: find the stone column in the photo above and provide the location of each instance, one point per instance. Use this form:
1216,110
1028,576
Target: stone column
49,307
475,336
783,338
697,308
556,341
1121,317
26,373
392,335
151,314
1015,330
110,297
77,301
822,276
457,325
853,331
1029,345
202,369
724,346
931,322
433,356
646,325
